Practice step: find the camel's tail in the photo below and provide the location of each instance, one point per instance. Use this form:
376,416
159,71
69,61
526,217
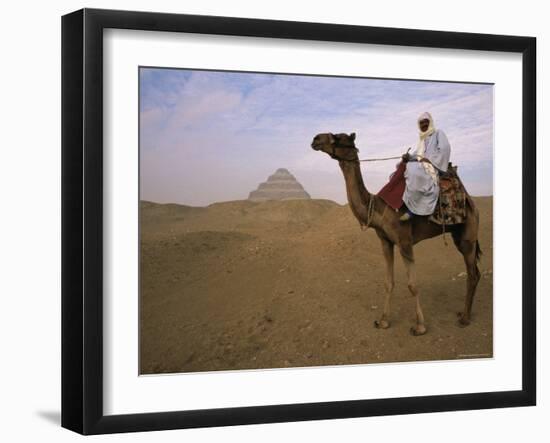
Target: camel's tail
478,252
472,205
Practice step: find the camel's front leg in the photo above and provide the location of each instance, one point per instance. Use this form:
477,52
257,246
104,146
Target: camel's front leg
408,260
387,248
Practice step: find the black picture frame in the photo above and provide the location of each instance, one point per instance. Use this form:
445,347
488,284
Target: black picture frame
82,218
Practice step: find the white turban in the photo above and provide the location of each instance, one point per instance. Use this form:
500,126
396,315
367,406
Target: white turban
431,127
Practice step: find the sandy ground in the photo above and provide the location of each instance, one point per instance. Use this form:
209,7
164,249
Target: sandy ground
242,285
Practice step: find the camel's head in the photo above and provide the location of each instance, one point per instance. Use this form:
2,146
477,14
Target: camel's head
338,146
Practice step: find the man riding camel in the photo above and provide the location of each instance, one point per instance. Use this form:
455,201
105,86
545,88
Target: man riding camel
431,157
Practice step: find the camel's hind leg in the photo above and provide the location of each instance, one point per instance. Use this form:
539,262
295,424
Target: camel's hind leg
387,248
408,260
469,250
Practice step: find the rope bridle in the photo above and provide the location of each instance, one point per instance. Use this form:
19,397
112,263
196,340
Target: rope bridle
370,213
333,155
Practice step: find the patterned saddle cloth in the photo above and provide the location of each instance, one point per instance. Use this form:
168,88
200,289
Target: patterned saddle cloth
451,206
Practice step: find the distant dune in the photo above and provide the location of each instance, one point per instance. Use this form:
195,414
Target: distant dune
244,284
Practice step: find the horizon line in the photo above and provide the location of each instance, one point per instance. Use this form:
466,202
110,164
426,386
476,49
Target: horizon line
264,201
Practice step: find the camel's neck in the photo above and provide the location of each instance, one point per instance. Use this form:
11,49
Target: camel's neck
358,196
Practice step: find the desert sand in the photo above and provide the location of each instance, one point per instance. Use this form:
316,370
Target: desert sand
249,285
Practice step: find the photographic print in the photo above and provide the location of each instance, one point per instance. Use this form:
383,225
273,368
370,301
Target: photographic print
305,220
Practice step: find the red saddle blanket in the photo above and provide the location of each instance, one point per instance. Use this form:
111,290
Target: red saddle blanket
392,192
451,206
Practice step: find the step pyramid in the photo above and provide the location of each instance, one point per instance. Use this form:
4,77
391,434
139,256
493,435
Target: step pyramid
282,185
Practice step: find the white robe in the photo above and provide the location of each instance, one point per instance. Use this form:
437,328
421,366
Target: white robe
422,190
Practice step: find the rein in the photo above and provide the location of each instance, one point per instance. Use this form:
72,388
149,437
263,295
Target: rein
379,159
334,156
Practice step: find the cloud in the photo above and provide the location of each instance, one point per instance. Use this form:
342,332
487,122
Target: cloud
222,133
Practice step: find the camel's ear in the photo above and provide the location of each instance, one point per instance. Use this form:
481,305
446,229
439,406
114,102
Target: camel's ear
331,138
352,136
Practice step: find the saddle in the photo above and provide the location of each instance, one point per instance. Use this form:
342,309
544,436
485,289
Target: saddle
451,206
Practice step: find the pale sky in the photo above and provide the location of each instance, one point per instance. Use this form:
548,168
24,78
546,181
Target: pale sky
208,136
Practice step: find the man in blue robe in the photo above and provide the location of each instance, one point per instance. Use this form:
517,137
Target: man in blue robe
431,157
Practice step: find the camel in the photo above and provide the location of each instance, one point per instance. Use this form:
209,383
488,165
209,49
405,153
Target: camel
371,211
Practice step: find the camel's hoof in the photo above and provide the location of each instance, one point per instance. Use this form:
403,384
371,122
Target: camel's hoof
462,321
418,330
382,324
